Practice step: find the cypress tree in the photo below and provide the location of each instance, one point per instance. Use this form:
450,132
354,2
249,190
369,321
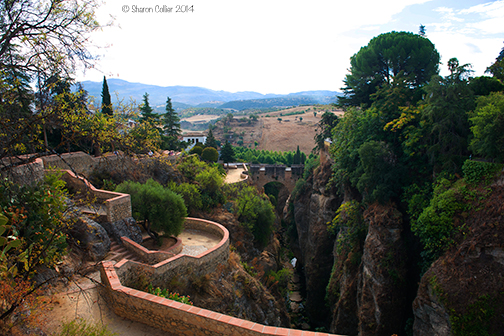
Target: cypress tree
227,153
210,140
171,120
106,105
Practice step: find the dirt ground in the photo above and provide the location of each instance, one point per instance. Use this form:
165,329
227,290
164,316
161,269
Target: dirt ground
287,134
271,134
83,301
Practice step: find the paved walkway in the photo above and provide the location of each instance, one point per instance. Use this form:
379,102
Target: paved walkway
234,175
195,242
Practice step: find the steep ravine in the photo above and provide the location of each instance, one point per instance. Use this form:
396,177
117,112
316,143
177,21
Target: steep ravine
366,283
313,208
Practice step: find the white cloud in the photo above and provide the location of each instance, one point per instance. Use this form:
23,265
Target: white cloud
272,46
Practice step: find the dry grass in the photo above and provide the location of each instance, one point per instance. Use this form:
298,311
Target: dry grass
274,135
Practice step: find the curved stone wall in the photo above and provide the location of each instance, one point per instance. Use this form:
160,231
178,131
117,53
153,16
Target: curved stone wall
152,257
172,316
165,270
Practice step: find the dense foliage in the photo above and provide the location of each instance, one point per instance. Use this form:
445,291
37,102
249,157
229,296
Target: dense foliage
385,57
159,208
414,130
253,155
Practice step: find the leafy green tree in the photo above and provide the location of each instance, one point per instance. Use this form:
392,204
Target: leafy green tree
210,140
45,39
256,213
197,149
381,176
227,153
487,122
421,31
445,116
210,154
106,105
385,57
159,208
209,179
483,85
297,157
497,68
190,193
324,128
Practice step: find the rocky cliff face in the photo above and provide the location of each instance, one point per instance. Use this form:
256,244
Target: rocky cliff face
462,293
312,210
360,272
381,292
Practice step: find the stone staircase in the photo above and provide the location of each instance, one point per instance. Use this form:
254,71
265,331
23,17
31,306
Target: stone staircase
118,252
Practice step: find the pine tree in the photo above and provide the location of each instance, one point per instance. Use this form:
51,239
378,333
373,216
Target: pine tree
146,111
106,105
210,140
227,153
171,121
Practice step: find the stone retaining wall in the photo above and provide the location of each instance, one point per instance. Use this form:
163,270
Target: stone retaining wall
29,173
181,264
152,257
117,205
172,316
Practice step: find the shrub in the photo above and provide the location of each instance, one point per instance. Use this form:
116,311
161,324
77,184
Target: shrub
190,193
160,208
81,327
474,171
435,225
210,154
197,149
172,296
256,213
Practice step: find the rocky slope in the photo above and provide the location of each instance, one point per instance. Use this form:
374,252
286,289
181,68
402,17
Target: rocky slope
365,270
462,293
313,208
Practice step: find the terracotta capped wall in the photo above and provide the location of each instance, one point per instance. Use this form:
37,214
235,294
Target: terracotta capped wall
175,317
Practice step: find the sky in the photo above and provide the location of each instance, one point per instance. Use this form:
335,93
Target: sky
277,46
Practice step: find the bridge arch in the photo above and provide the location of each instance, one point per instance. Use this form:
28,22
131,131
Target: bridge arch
261,174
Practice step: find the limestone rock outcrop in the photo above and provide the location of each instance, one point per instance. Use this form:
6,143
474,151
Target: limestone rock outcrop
126,227
92,237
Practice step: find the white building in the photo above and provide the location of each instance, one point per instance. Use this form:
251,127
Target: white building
192,138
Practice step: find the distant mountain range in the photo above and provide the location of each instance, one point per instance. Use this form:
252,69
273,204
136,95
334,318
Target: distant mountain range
192,96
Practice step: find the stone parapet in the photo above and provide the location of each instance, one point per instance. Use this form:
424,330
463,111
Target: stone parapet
178,318
172,316
162,272
151,257
117,205
28,174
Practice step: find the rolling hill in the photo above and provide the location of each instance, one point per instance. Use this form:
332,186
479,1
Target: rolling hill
187,96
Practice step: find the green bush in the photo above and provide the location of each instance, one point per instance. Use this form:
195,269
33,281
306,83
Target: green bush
256,213
190,193
349,225
210,154
160,208
435,225
475,171
197,149
172,296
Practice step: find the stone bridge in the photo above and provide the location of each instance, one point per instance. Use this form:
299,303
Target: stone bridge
260,175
